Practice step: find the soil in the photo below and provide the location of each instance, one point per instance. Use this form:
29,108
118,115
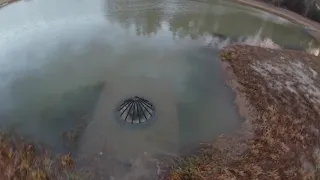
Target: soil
278,92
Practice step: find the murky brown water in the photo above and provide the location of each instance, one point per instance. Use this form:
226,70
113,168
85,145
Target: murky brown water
67,64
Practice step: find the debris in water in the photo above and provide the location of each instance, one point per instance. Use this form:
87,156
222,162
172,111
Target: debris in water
67,161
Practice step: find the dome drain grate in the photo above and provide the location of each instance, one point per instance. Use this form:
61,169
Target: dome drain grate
136,110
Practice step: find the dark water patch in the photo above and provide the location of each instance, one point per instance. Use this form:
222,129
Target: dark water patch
60,121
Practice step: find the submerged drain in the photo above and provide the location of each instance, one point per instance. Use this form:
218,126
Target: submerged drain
135,110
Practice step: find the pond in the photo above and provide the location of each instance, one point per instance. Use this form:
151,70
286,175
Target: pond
67,66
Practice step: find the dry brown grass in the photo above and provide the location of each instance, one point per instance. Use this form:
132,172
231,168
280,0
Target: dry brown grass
282,88
20,160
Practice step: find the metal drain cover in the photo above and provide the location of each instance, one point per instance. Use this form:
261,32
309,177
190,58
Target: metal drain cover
136,110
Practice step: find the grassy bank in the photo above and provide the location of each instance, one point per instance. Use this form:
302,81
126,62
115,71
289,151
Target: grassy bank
278,92
23,160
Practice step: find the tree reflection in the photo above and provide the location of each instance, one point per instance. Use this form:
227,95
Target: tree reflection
194,19
145,16
150,24
193,25
185,19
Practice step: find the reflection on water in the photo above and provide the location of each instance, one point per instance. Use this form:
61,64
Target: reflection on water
61,69
147,16
193,20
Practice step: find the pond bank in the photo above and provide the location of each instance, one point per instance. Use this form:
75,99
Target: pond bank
21,159
312,27
278,92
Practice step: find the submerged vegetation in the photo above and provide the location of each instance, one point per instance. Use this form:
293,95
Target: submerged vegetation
278,94
23,160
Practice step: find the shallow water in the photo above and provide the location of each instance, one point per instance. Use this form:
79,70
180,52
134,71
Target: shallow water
65,65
